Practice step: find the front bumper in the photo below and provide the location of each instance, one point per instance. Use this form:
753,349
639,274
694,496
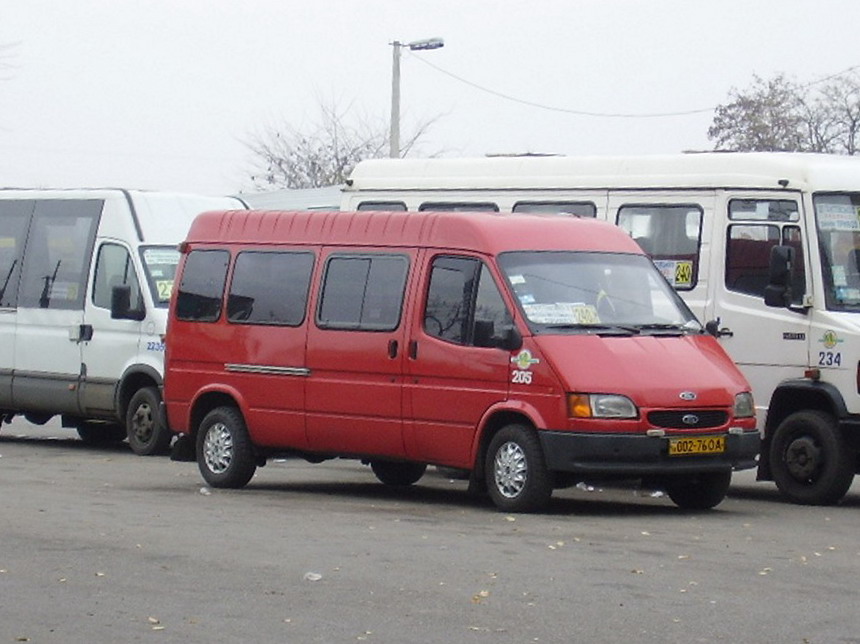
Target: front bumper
626,455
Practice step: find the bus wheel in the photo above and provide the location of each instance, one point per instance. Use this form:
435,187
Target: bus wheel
147,435
225,455
701,491
517,478
809,460
396,473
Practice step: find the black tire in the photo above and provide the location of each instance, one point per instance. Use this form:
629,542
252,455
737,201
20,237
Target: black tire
398,473
225,454
95,433
810,461
701,491
515,471
147,435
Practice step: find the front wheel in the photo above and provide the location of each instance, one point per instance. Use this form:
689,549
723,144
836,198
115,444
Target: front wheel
809,460
398,474
147,435
701,491
517,478
225,454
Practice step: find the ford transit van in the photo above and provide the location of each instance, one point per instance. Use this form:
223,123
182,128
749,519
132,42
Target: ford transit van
85,279
533,351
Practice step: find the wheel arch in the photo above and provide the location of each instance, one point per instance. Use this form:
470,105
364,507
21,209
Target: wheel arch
792,396
134,379
495,419
209,399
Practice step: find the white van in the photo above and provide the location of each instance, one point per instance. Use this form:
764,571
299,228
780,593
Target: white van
765,247
85,280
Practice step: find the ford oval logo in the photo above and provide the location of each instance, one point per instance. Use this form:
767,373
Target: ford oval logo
687,395
690,419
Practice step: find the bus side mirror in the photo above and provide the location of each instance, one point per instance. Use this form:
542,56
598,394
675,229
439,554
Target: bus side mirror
485,336
778,289
120,305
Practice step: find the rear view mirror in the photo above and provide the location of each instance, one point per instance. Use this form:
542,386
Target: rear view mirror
485,336
120,305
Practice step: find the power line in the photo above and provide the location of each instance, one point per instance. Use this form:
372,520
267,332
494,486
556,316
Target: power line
621,115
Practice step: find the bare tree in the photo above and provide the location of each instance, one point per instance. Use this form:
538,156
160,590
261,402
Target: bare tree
778,114
322,154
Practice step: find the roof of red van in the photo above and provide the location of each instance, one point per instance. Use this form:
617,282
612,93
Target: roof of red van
479,231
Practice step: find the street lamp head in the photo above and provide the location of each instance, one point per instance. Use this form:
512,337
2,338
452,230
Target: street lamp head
429,43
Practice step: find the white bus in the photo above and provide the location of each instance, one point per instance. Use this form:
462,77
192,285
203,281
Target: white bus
764,247
85,279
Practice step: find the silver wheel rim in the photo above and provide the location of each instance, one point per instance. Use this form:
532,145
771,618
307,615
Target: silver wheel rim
510,469
218,448
142,423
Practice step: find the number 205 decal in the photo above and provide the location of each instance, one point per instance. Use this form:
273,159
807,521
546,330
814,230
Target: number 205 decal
829,359
519,377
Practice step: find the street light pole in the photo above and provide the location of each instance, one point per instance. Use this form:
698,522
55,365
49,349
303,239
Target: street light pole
416,45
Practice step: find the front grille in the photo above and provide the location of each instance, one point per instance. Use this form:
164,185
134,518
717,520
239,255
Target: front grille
688,418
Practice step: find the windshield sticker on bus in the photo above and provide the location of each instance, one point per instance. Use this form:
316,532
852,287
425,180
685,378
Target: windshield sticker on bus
7,242
167,256
164,288
518,279
838,216
677,273
562,313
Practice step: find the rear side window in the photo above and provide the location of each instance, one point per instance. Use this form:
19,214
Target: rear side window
578,208
270,288
202,287
458,206
363,292
382,205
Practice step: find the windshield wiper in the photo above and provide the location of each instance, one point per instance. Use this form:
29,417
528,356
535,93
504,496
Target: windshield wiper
599,329
671,329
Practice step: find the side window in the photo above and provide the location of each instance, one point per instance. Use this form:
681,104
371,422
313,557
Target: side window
270,288
578,208
114,268
456,206
464,305
59,248
382,205
670,235
363,292
748,257
14,219
202,286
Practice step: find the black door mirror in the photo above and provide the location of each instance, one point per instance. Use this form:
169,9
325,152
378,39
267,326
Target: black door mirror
778,289
120,305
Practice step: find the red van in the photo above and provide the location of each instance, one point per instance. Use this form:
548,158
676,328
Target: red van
533,351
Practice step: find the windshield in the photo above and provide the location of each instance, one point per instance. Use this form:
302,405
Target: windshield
160,264
838,220
587,291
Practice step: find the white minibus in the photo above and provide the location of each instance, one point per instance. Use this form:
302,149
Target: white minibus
764,247
85,280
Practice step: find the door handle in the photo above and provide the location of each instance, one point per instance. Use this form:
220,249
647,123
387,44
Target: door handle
392,349
413,349
81,333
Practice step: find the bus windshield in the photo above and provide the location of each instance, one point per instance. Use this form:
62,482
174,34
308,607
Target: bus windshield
160,264
587,290
838,219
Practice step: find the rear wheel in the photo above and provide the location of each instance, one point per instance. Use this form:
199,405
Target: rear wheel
397,473
516,475
810,461
147,435
225,454
701,491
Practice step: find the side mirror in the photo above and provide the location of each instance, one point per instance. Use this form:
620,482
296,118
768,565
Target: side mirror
778,290
120,305
509,339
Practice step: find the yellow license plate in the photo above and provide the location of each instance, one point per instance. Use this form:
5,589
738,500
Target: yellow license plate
697,445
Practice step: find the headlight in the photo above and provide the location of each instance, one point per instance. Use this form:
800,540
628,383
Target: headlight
744,407
601,406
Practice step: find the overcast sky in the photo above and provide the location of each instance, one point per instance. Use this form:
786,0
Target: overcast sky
164,94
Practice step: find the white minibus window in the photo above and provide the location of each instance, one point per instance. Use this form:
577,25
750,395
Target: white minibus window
457,206
578,208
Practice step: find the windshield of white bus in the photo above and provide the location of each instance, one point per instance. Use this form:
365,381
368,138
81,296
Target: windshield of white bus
588,290
159,263
838,220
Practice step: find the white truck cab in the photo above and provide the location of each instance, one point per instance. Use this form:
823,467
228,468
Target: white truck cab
85,279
